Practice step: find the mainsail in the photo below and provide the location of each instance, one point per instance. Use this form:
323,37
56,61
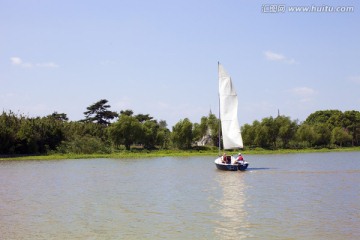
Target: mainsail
228,111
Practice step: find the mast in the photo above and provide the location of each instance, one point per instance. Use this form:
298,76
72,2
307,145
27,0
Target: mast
219,125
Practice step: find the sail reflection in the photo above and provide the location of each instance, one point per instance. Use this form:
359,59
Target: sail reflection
232,224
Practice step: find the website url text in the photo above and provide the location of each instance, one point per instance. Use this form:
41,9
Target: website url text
282,8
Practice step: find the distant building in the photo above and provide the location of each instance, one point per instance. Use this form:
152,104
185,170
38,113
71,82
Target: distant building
206,139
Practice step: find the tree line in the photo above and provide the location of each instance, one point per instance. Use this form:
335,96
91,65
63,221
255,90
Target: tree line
106,131
326,128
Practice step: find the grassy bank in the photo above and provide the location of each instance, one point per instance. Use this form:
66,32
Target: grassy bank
171,153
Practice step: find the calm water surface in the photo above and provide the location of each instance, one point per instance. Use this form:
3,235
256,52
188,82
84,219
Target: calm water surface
295,196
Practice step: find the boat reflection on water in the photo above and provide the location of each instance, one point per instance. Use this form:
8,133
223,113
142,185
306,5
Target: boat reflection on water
231,207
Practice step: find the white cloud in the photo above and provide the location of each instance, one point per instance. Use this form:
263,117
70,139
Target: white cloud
16,61
272,56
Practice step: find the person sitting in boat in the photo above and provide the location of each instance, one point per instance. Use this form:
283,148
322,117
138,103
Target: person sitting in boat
240,158
223,158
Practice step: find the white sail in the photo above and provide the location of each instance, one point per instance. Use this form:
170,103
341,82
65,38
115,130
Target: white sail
228,112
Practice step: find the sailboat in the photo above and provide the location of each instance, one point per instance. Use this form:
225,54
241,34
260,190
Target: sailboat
231,135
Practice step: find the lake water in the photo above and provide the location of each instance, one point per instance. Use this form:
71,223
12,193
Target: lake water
291,196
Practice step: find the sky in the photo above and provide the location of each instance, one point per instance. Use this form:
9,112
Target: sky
160,57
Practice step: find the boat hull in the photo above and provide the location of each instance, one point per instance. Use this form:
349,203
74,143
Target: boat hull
243,167
232,166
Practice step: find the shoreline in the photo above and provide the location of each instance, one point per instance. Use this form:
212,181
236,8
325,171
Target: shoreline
171,153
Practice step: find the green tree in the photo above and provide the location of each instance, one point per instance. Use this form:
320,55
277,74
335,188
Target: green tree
29,136
323,134
127,130
59,116
248,134
207,130
323,123
84,145
340,136
322,116
9,126
99,113
163,135
77,129
182,135
286,130
306,135
262,136
352,124
150,130
197,132
213,124
201,129
143,117
270,132
127,112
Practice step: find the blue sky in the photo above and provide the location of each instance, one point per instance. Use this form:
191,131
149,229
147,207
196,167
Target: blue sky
160,57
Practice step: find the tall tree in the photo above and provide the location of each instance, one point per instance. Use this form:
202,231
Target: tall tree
150,130
352,124
213,124
143,117
323,133
59,116
340,136
248,134
322,116
268,132
127,130
99,113
182,134
306,135
163,135
127,112
9,127
287,129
